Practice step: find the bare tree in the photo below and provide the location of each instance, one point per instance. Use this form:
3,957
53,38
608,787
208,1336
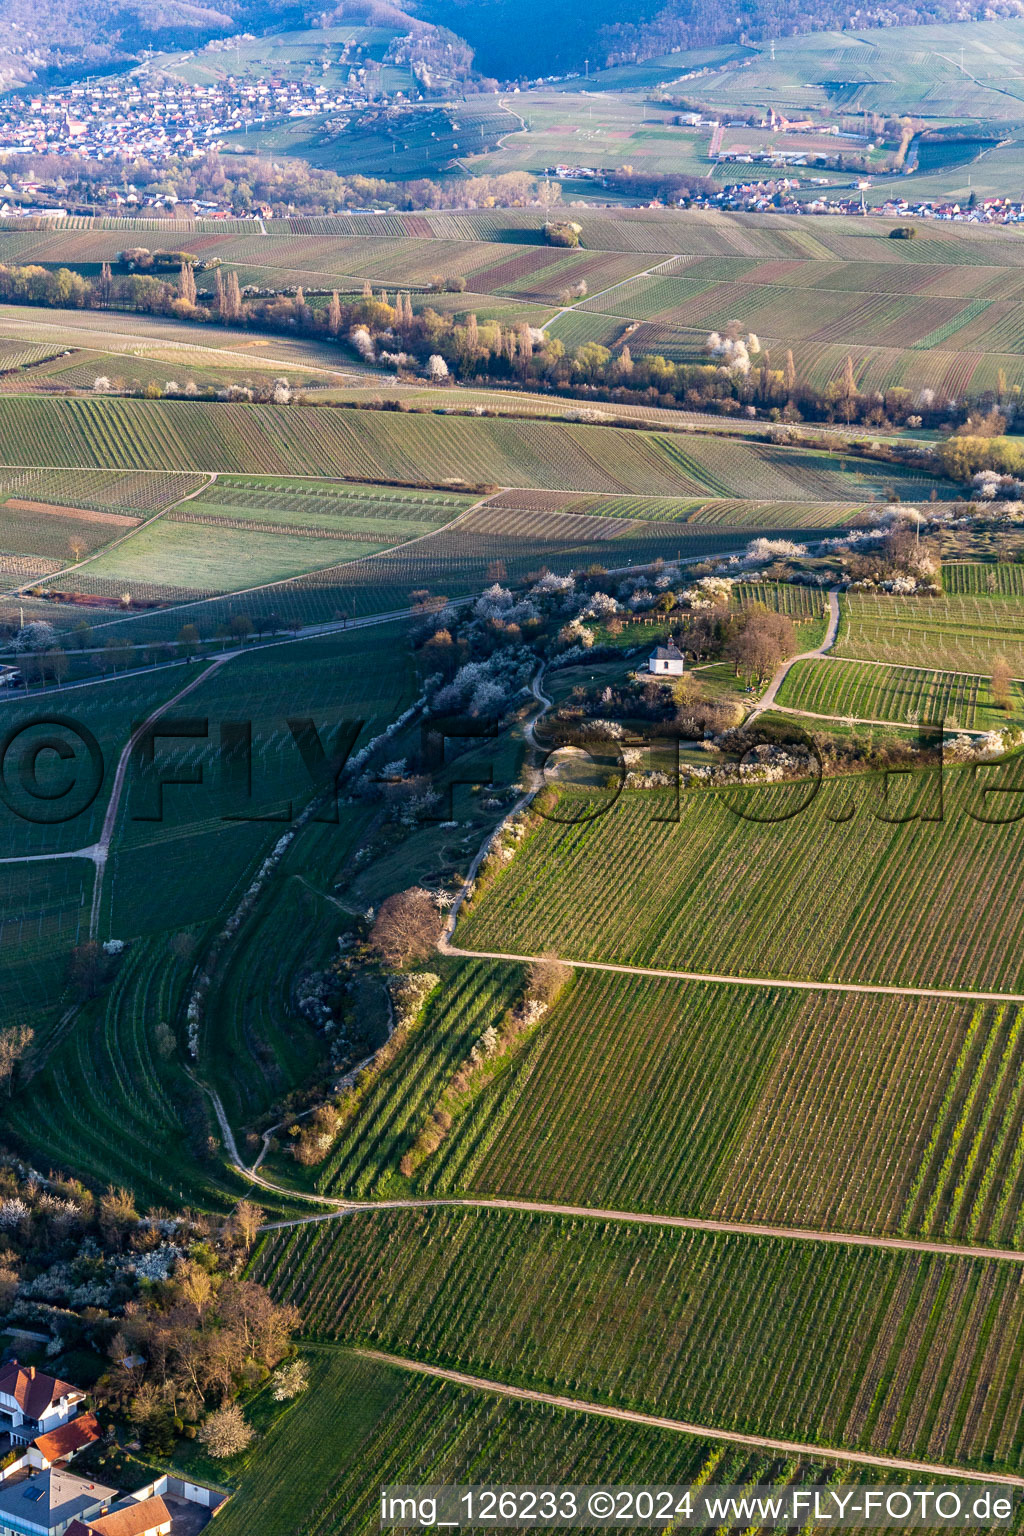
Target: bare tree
546,978
407,926
762,641
1002,679
14,1046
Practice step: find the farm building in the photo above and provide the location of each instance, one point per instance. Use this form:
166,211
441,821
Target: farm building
667,660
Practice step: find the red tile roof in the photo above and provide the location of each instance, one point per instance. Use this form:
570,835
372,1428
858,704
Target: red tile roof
69,1438
32,1390
132,1520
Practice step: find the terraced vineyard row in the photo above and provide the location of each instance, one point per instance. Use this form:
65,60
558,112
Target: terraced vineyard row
870,1349
365,1425
954,634
132,1102
417,449
903,694
793,893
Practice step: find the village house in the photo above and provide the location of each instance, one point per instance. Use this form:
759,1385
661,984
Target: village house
65,1442
133,1517
49,1503
32,1403
667,660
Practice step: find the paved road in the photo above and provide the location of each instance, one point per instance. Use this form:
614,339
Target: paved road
704,1431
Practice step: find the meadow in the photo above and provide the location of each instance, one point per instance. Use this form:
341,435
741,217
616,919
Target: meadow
865,1348
795,890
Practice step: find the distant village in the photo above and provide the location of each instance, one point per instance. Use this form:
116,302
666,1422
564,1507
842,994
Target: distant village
153,115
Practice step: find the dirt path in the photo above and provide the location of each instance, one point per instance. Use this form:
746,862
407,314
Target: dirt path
767,699
652,1219
870,988
703,1431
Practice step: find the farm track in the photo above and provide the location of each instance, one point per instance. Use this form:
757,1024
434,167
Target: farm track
767,699
878,989
104,549
651,1219
682,1427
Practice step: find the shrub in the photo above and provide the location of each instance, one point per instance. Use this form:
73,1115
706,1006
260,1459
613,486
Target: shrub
563,232
225,1433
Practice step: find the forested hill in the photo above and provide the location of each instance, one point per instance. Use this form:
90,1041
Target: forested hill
532,38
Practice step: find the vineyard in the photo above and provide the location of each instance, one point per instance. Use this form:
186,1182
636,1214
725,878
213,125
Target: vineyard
845,1113
101,490
421,449
951,633
363,676
968,579
451,562
865,1348
939,312
794,894
343,1431
43,910
391,1113
904,695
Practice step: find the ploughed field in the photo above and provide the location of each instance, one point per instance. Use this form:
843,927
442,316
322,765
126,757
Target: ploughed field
940,312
